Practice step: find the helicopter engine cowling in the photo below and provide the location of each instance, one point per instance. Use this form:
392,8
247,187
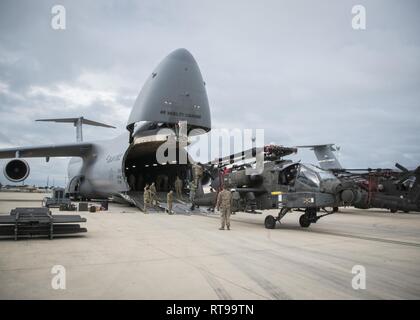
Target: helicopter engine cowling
347,196
350,196
346,191
240,178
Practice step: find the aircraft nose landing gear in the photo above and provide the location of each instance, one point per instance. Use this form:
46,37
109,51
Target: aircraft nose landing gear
270,221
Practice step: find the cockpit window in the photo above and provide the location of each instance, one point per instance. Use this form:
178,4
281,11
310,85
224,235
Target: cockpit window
147,125
288,175
308,177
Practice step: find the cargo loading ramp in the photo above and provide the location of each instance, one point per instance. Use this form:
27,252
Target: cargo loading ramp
179,206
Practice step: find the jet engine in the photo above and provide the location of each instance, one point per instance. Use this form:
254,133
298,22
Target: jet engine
16,170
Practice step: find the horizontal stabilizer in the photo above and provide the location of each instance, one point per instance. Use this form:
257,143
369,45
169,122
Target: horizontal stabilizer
78,122
75,120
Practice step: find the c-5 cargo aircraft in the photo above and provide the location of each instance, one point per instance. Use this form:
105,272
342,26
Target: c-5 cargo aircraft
173,93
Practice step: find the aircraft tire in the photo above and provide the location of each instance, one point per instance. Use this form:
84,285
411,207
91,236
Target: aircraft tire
393,210
304,221
270,222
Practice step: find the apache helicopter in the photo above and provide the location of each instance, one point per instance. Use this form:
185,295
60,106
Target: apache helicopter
387,189
281,184
381,188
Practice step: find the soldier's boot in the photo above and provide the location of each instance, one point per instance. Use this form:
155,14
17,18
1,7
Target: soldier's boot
228,227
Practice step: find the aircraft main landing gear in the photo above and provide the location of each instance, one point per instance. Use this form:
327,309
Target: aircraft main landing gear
304,221
308,217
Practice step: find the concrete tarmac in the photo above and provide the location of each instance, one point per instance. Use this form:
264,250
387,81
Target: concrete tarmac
129,255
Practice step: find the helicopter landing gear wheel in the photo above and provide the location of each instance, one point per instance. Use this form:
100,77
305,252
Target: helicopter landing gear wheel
304,221
270,222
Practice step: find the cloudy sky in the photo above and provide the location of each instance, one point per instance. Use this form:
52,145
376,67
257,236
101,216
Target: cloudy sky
295,68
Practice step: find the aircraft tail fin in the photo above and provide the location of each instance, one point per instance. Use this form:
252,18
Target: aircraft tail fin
324,153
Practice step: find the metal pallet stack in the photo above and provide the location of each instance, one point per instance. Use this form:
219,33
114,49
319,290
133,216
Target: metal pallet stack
29,222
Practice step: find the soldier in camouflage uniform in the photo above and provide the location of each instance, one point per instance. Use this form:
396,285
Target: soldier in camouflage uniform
193,188
146,197
153,195
170,200
224,202
198,173
178,188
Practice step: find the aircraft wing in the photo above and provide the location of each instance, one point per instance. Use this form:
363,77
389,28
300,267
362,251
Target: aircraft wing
54,150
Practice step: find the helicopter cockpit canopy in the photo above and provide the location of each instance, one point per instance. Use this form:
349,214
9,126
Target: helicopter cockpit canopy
306,175
287,176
